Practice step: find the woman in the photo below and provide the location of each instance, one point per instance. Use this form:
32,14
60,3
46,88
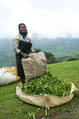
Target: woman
22,47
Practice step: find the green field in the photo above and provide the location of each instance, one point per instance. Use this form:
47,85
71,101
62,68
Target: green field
13,108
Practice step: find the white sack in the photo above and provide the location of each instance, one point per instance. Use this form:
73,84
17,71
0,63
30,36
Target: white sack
7,77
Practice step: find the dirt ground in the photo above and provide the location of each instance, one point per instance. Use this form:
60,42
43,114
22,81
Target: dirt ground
65,114
73,114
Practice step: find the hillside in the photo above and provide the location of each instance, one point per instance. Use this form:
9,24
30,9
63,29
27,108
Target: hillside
6,52
62,48
13,108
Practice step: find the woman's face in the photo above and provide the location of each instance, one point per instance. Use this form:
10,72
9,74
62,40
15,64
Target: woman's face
23,29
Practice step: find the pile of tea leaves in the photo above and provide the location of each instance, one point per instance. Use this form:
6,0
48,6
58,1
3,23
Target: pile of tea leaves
47,84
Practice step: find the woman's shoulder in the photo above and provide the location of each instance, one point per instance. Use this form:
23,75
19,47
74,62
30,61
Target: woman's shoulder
18,37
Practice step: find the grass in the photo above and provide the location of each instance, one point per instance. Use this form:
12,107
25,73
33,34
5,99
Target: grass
68,71
11,107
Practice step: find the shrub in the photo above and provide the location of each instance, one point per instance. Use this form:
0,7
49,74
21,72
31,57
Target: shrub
73,59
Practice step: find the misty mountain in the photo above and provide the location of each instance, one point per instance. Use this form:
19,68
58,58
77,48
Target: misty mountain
60,47
6,52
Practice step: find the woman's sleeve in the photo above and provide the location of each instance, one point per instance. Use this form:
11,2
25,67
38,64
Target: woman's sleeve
15,45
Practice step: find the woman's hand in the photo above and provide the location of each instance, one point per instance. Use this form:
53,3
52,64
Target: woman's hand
24,55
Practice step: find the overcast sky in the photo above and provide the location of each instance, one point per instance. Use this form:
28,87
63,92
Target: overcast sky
52,18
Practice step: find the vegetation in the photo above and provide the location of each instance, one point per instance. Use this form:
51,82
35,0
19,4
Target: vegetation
11,107
73,59
47,84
